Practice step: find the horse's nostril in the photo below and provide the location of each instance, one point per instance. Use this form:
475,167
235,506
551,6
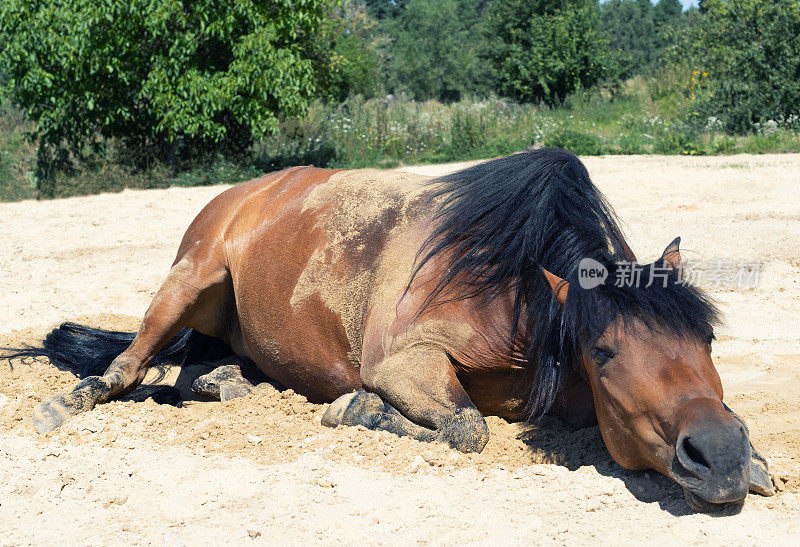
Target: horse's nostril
694,454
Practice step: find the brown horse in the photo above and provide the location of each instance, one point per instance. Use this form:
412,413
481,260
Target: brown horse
417,306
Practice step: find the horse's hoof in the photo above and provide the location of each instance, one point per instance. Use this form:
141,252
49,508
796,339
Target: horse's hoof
49,416
223,383
335,413
234,389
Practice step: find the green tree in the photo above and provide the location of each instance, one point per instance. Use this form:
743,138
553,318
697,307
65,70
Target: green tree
434,49
677,35
175,78
643,36
349,52
750,50
384,9
670,21
666,12
542,50
632,35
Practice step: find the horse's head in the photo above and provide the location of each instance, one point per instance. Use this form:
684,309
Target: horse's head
657,394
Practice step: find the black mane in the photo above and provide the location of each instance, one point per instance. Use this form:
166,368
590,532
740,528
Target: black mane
500,221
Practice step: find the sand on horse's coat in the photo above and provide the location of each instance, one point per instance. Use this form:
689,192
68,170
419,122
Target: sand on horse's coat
364,203
262,468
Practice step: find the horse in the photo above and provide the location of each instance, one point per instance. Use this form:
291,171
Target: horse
419,305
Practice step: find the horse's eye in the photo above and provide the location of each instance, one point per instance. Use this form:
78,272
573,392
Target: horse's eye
602,356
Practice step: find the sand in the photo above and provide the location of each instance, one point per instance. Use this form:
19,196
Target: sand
262,468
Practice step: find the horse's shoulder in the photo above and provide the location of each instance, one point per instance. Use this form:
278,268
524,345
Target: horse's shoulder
475,332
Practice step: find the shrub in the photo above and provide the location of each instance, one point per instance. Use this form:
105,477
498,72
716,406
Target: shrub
750,50
584,144
17,156
543,50
172,82
434,49
632,143
467,131
679,139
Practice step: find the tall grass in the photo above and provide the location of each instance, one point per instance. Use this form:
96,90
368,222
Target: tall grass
644,115
17,156
18,180
386,132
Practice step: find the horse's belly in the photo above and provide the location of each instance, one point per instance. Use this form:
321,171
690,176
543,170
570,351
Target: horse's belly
302,345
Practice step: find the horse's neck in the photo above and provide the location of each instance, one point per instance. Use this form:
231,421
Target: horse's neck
483,339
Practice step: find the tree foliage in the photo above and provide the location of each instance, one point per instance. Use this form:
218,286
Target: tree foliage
542,50
384,9
665,12
632,35
176,78
142,83
639,34
350,52
434,48
750,50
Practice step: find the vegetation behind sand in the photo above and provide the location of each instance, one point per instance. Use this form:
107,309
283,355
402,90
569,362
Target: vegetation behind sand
222,93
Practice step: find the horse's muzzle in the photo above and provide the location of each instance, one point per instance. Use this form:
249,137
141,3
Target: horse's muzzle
712,457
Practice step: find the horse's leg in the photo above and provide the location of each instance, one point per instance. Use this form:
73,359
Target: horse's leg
414,393
184,298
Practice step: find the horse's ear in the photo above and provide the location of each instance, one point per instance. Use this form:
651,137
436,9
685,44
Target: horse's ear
672,255
559,286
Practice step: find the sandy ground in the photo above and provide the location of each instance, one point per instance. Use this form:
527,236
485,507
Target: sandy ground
262,468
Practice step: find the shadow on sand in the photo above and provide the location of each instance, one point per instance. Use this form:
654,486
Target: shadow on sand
551,440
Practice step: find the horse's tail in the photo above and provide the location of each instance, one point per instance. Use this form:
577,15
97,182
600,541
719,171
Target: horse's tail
87,351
